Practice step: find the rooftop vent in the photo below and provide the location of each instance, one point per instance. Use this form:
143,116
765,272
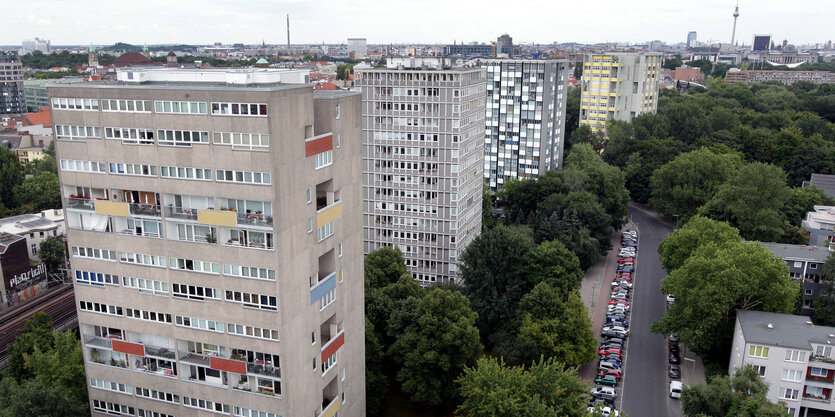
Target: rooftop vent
809,322
770,326
831,335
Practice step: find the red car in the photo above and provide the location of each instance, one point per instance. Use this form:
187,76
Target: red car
616,302
622,260
623,275
609,351
610,372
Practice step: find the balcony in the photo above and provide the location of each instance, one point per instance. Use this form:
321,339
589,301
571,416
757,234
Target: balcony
195,359
172,212
815,398
264,369
823,379
148,210
98,342
80,203
822,358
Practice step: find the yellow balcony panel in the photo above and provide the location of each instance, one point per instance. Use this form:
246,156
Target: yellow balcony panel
329,214
112,208
331,409
217,218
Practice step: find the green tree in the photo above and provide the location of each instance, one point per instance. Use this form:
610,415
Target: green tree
558,325
434,349
825,303
11,175
752,201
37,331
679,245
376,381
41,191
61,364
572,114
743,395
802,200
35,397
604,181
547,388
53,254
487,202
342,71
553,263
584,135
713,283
688,119
690,180
45,164
496,273
384,266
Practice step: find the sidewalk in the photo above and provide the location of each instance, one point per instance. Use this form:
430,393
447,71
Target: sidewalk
595,291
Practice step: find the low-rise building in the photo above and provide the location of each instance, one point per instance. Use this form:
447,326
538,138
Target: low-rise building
19,279
735,75
824,182
805,264
794,356
35,228
820,225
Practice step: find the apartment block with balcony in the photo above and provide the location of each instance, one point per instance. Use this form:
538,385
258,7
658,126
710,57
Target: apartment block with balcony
820,226
618,86
209,276
794,356
805,265
423,153
524,130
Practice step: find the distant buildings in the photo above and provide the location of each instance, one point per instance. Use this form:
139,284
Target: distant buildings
423,141
618,86
794,356
481,50
525,122
35,228
12,99
36,45
735,75
820,224
805,264
357,48
504,46
691,39
761,43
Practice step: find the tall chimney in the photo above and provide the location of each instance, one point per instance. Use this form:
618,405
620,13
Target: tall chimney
288,32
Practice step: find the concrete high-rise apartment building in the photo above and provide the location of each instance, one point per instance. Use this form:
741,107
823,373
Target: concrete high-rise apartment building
691,39
357,48
618,86
12,100
504,46
525,118
423,141
38,44
214,227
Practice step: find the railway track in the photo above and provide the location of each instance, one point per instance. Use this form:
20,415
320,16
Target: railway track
58,304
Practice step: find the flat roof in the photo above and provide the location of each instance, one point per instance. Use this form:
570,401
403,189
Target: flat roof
523,61
783,330
116,85
330,94
798,252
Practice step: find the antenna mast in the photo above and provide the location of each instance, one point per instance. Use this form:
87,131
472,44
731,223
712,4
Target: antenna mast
288,31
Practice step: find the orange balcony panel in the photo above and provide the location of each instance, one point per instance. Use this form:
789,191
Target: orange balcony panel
228,365
318,144
129,348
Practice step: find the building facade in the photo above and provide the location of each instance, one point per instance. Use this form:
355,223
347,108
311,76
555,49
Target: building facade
735,75
423,141
820,226
35,228
357,48
691,39
794,356
504,46
215,235
525,118
805,266
618,86
12,99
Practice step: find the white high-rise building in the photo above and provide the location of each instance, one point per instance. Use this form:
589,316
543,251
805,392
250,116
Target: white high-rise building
525,118
357,48
691,39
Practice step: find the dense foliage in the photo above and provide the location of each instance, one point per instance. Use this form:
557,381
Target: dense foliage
38,191
742,395
825,303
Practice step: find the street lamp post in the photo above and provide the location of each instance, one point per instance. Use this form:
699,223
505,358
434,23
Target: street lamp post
675,225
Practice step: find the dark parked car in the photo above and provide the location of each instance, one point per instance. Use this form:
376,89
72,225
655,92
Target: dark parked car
675,372
674,358
618,335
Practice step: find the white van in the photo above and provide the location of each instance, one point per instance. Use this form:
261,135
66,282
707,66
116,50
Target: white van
675,389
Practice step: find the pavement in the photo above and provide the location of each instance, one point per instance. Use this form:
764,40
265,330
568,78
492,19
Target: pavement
646,352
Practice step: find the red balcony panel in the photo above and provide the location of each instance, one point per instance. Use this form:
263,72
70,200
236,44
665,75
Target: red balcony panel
228,365
333,346
827,392
129,348
318,145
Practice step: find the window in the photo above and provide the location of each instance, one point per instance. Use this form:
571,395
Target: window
186,173
110,386
100,308
158,395
758,351
338,140
788,393
181,137
795,356
342,374
194,265
340,249
813,265
328,363
248,141
324,232
239,109
308,195
141,259
760,369
336,111
249,272
130,136
127,106
309,225
148,413
180,107
263,302
75,104
819,372
146,286
92,167
95,278
198,323
139,170
34,248
81,133
205,405
113,409
247,177
324,159
194,292
246,412
327,299
250,331
146,315
825,351
792,375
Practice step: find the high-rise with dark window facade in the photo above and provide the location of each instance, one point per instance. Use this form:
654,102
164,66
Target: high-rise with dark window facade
12,99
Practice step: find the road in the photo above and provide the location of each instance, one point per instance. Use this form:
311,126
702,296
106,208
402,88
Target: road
645,386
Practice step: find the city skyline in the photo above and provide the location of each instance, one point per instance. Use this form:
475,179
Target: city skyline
331,22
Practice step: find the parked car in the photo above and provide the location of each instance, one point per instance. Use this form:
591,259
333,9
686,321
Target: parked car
622,283
607,365
618,360
674,358
671,299
612,333
610,351
613,372
606,380
674,372
605,345
673,348
614,328
604,392
671,344
626,260
622,323
613,340
675,389
673,337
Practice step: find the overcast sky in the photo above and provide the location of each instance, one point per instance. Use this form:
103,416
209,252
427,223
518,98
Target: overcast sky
66,22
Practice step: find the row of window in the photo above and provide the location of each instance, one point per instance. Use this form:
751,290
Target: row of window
169,107
757,351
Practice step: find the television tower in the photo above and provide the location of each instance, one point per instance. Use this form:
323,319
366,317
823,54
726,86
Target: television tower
288,30
736,15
